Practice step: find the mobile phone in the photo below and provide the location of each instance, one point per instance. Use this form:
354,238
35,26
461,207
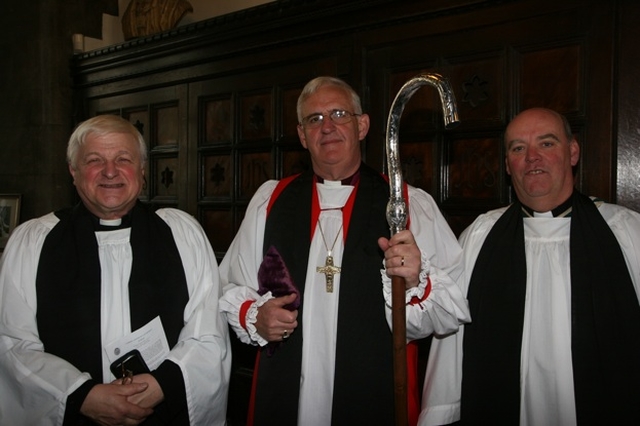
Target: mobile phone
130,363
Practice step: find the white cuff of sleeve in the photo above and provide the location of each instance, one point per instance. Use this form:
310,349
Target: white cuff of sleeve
418,291
251,318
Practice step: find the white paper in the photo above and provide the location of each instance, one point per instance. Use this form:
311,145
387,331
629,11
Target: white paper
150,340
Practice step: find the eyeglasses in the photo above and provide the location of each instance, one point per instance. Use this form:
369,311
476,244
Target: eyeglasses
338,116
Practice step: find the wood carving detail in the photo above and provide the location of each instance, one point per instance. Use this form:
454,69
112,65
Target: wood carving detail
140,126
167,177
218,175
475,91
256,117
146,17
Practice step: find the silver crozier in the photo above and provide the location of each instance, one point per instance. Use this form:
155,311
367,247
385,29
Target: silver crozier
397,218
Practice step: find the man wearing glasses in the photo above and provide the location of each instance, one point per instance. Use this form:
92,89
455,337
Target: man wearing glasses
303,280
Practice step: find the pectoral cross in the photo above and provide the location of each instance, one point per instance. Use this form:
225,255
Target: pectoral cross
329,270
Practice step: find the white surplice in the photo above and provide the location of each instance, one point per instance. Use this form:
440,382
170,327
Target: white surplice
441,312
547,394
34,385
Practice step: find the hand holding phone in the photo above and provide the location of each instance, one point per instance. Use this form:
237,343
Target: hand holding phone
128,365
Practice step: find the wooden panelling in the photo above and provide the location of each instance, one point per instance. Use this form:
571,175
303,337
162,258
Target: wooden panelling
167,172
218,123
289,113
255,169
419,164
217,176
473,170
519,59
167,127
242,132
627,111
479,85
552,77
295,161
139,117
256,111
217,224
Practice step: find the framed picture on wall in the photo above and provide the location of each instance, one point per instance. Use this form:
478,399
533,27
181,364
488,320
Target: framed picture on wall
9,216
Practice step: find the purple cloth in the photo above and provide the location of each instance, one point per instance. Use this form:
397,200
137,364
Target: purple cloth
274,276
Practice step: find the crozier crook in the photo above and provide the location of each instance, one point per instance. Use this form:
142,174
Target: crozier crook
397,209
397,219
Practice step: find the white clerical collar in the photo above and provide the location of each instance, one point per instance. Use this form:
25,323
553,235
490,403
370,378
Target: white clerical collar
543,214
351,180
332,194
110,222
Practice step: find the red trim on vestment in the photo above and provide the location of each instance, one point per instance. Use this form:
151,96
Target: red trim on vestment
243,313
282,183
254,386
346,212
413,395
415,300
315,208
405,195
